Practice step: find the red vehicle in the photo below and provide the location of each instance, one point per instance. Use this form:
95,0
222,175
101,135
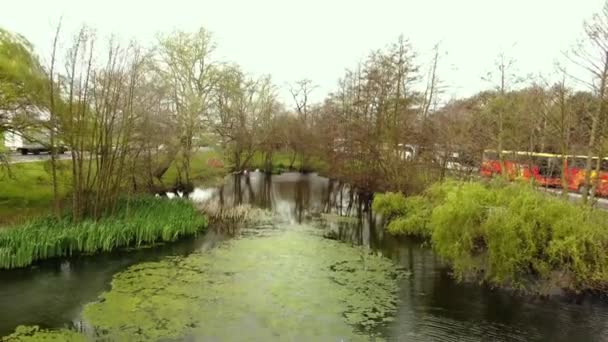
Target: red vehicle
546,169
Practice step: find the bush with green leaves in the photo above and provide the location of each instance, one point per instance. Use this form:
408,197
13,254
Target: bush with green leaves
406,215
136,221
506,234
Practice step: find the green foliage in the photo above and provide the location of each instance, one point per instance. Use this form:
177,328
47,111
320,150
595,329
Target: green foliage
416,220
28,190
456,224
201,172
390,204
406,215
510,234
22,79
282,160
136,221
34,333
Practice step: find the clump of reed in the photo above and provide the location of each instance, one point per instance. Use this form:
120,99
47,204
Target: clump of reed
218,213
135,222
229,219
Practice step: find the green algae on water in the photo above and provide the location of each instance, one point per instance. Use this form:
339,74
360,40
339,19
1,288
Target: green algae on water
288,284
34,333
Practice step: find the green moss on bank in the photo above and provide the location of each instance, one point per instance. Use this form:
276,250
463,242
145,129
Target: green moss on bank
137,221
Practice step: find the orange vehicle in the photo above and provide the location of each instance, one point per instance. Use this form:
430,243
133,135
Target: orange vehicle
546,169
576,167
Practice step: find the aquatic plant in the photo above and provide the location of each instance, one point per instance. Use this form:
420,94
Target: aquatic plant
230,219
219,213
508,234
35,334
136,221
287,285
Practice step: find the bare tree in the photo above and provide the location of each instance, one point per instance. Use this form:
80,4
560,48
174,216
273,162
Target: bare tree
500,107
591,54
53,121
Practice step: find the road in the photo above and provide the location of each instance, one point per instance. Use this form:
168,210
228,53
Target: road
602,203
16,158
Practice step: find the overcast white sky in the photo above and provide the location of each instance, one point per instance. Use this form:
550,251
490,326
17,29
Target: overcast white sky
318,39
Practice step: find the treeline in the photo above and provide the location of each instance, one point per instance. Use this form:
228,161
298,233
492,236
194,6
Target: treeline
127,113
387,126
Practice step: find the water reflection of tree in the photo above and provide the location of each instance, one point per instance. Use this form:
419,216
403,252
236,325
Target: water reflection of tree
238,193
265,191
302,197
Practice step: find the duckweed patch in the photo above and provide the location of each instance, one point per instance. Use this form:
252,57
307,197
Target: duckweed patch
34,334
284,286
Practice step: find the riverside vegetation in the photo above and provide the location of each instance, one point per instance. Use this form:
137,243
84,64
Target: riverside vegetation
137,221
506,235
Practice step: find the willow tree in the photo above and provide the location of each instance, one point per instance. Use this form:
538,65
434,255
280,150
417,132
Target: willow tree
22,79
186,64
22,83
25,98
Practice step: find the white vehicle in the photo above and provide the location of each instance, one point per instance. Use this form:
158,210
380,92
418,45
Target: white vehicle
34,144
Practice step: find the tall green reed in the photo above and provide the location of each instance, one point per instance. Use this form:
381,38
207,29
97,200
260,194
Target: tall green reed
136,221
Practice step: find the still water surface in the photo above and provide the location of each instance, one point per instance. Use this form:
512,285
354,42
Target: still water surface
432,306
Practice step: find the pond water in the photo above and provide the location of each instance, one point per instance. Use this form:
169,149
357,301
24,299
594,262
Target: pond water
319,270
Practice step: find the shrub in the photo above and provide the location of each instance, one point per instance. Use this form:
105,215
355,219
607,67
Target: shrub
390,204
456,224
415,221
506,234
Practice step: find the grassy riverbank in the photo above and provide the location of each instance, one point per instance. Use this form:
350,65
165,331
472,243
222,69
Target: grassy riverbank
506,234
284,162
137,221
27,192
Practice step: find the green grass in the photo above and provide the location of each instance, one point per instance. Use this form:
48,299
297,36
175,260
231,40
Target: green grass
282,160
28,191
201,172
137,221
506,234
